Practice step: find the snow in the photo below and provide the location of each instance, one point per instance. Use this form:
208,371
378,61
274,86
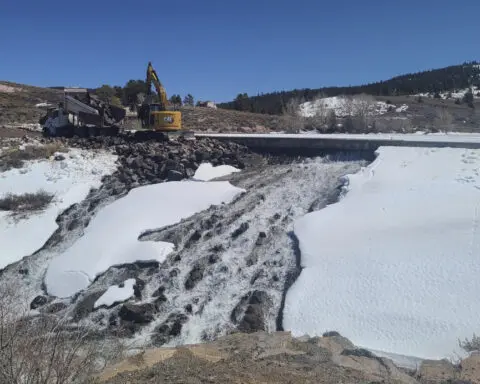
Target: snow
455,94
69,180
116,294
40,105
111,238
345,106
394,265
207,172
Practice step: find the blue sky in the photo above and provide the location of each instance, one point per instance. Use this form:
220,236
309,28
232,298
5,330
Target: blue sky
217,49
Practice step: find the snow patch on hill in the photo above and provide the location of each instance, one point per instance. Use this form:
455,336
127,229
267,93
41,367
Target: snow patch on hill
394,265
456,94
111,238
207,172
69,180
349,106
116,294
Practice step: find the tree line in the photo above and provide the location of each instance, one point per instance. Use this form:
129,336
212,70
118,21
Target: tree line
431,81
133,93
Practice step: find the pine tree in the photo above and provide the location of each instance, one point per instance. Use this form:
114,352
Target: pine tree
189,100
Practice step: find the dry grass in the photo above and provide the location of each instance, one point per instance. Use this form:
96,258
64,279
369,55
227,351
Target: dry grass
27,202
16,156
45,349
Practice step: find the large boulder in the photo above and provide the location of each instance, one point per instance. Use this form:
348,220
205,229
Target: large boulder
137,313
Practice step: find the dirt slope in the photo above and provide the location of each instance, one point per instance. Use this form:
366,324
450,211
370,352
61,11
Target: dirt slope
275,358
17,103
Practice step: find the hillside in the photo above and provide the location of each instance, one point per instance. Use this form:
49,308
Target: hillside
431,81
18,103
22,106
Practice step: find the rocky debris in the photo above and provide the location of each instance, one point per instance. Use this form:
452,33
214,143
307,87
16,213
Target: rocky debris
169,329
195,275
436,371
241,229
86,304
148,162
258,357
137,313
250,312
55,307
470,369
38,301
138,288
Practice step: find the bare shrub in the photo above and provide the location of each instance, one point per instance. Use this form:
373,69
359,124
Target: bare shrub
44,349
471,345
292,121
26,202
15,157
443,119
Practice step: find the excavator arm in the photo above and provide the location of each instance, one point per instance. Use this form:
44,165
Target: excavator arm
153,78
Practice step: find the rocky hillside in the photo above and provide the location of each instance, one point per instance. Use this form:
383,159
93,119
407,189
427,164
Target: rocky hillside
278,358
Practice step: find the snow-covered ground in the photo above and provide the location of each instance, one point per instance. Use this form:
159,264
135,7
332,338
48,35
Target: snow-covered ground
116,294
70,181
207,171
111,238
345,106
458,94
394,265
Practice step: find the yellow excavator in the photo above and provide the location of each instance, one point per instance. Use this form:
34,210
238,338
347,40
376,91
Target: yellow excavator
158,116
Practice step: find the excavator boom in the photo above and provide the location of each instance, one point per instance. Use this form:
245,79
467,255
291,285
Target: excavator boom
153,78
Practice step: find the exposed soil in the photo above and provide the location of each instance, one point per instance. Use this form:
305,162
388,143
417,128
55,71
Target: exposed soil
258,358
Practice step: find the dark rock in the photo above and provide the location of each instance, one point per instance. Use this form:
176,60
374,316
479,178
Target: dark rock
331,334
158,292
240,230
218,248
85,304
38,302
261,238
188,308
139,314
195,275
174,175
55,307
201,155
159,301
174,272
197,235
189,172
138,288
256,304
23,271
59,157
169,329
358,352
177,258
212,259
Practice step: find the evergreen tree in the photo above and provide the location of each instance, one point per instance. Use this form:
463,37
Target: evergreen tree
188,100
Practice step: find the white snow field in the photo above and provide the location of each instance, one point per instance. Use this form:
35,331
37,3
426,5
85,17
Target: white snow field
111,238
70,180
394,265
116,294
207,171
